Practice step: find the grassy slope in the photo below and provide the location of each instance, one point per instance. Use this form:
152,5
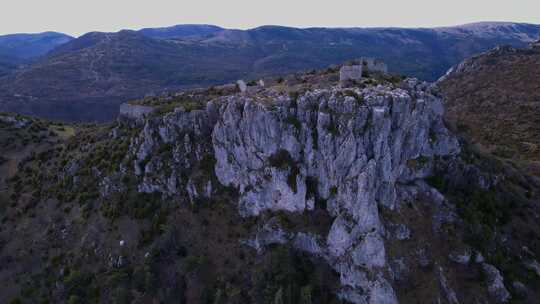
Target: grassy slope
497,105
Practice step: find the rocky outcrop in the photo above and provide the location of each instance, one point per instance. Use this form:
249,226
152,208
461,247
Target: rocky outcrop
242,86
358,150
357,145
496,287
448,293
173,153
15,121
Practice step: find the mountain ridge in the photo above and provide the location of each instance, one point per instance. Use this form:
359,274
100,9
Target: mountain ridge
101,70
493,98
27,46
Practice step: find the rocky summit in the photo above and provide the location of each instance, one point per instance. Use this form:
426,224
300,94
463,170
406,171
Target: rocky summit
352,148
239,188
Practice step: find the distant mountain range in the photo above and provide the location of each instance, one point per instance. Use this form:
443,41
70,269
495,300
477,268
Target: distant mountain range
18,49
181,31
87,77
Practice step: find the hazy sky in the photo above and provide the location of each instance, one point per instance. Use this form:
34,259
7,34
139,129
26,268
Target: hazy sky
76,17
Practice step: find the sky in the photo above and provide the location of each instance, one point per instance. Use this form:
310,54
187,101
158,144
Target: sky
76,17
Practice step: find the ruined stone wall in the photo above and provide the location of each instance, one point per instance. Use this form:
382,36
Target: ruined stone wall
350,73
375,65
136,112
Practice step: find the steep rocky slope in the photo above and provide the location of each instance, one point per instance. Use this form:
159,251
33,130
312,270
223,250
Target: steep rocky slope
87,78
494,98
297,192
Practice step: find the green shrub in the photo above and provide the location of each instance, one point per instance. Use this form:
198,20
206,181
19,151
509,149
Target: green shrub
291,178
351,93
292,120
282,159
193,263
77,283
288,277
437,181
15,301
315,138
333,128
118,277
166,150
122,295
294,95
73,299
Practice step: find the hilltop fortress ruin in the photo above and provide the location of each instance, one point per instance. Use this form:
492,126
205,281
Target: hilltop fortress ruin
349,73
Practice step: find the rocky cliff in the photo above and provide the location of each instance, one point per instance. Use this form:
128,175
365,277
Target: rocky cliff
354,151
356,146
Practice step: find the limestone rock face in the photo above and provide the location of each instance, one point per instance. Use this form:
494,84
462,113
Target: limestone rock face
169,148
448,293
496,287
358,146
360,150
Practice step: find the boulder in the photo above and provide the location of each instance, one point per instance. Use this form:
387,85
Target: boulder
242,86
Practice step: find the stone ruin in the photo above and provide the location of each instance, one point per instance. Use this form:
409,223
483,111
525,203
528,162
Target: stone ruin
374,65
250,87
353,71
135,112
349,74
